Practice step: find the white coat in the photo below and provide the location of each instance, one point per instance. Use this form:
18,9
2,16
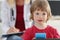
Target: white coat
8,20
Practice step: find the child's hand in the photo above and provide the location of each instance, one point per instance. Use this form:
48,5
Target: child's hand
12,30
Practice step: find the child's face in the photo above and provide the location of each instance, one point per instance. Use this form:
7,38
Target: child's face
39,16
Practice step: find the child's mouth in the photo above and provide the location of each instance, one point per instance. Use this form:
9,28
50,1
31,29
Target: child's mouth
40,20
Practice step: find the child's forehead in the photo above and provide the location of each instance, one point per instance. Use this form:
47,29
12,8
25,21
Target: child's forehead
40,10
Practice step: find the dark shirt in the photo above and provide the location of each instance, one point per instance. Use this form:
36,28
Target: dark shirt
20,18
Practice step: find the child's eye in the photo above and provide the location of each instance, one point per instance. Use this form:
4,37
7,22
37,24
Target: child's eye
43,13
37,13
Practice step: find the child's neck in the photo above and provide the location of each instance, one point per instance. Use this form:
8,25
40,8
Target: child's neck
40,26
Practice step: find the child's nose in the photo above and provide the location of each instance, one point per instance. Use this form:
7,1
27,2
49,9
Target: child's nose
40,16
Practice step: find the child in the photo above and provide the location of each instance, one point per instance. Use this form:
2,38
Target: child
40,14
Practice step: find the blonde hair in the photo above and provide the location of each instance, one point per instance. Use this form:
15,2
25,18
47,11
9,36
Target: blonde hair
42,5
11,2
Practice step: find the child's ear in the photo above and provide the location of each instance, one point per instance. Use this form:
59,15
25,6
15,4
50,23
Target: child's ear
49,16
31,17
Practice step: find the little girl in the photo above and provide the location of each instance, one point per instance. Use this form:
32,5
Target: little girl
40,14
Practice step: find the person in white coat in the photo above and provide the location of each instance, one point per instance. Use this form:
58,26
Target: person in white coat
9,20
6,16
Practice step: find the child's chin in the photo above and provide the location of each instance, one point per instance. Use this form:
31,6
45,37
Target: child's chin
41,22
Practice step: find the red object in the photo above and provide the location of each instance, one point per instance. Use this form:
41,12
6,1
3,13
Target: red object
20,18
50,32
